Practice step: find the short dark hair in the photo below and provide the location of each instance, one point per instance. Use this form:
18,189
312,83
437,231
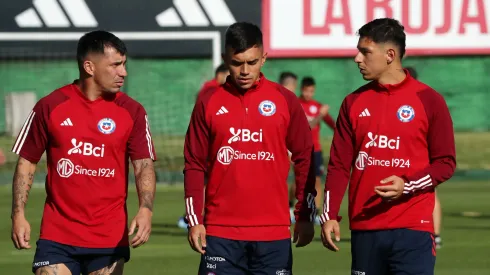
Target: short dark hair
221,69
285,76
307,81
242,36
384,30
412,72
96,42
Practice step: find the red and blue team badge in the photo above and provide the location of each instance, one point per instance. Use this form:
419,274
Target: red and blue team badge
267,108
405,113
106,126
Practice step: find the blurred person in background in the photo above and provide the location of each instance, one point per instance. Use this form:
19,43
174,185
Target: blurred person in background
437,215
246,226
315,113
393,145
289,81
220,75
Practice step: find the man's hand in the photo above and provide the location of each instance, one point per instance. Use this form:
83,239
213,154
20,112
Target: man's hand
329,227
21,232
324,110
303,233
142,221
391,191
197,238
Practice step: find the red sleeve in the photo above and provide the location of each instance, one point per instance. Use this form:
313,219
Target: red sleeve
140,143
440,141
33,137
329,121
340,163
195,156
300,143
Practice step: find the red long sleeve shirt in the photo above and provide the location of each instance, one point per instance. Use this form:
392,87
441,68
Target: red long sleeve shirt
312,110
404,130
245,137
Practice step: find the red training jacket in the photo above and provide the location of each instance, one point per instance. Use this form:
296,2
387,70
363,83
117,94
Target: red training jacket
312,109
245,138
404,130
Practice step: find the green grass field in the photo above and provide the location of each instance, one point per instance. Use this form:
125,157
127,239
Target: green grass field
466,224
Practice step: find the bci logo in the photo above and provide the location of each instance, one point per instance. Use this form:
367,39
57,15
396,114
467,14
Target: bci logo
244,135
381,141
86,149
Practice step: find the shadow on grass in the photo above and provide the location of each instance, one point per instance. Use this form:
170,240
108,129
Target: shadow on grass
469,228
168,229
169,233
342,240
468,215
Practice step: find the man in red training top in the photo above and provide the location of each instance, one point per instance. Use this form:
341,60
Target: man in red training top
315,113
247,150
220,75
396,135
88,129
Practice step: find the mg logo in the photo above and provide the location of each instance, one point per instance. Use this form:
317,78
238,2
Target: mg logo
86,149
382,141
225,155
361,160
244,135
65,168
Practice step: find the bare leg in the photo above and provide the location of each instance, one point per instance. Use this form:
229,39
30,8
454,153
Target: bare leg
437,216
57,269
292,194
113,269
319,192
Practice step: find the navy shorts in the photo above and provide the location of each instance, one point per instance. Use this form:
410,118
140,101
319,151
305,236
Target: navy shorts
77,259
393,252
319,168
230,257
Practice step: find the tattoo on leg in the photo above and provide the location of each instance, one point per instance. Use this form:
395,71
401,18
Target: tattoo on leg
48,270
116,268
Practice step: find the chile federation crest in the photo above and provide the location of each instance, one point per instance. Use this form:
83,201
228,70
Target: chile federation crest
405,113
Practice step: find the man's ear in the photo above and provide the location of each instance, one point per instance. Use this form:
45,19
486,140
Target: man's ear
390,56
89,67
264,58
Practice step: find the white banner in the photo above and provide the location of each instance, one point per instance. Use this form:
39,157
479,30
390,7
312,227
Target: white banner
315,28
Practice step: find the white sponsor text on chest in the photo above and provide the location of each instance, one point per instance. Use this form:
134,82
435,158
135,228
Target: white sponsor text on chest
226,154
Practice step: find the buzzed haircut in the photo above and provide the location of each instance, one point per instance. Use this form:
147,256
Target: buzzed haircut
242,36
96,42
286,76
383,30
307,81
221,69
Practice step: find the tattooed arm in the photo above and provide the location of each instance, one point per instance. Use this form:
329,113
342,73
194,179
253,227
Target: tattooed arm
145,185
24,173
145,182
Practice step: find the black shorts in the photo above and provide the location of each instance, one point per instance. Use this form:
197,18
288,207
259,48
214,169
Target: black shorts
77,259
396,251
231,257
318,159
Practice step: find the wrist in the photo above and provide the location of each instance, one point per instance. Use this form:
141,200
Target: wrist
145,209
17,214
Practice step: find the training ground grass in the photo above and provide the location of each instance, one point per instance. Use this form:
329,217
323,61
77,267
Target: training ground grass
466,224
